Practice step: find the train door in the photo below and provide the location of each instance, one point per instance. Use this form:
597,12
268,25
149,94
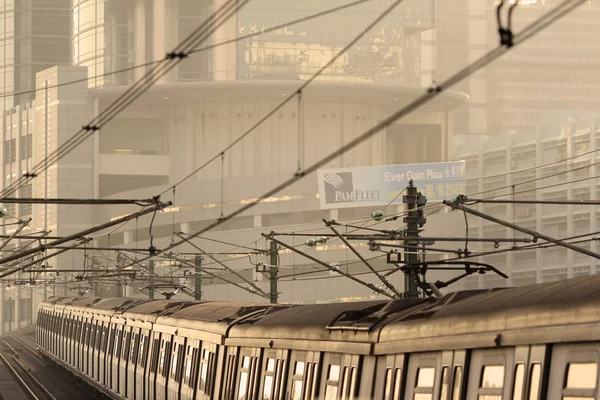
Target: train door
102,353
302,372
164,358
132,363
141,371
85,345
490,373
451,377
69,339
175,369
529,373
271,373
76,335
574,372
51,330
190,369
109,354
339,376
225,376
152,367
124,358
82,340
60,334
388,379
247,371
115,357
207,365
91,343
423,375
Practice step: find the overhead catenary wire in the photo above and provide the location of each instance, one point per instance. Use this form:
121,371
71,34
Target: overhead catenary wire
533,28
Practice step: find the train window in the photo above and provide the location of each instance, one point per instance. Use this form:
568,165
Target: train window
534,381
230,375
117,346
345,383
134,349
211,370
104,338
582,376
282,378
333,378
269,376
125,343
99,334
445,382
315,380
397,381
309,381
204,369
457,383
519,380
93,334
175,362
424,387
143,349
492,382
243,389
155,349
352,383
112,339
387,390
297,380
187,366
161,358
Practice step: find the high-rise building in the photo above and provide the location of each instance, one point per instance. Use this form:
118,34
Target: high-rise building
34,36
535,106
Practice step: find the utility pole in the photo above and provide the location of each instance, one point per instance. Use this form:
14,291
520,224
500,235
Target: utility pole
198,277
151,287
413,220
274,270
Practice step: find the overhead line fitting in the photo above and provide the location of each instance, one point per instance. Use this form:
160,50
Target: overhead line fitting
506,34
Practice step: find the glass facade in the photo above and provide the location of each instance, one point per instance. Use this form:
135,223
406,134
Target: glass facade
34,36
389,53
190,15
103,38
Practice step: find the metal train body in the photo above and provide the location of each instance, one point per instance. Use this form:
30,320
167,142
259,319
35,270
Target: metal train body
530,343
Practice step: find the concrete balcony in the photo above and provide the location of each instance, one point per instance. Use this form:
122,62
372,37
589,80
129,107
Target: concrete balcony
128,162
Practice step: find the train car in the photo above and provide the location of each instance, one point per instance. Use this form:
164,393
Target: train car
540,342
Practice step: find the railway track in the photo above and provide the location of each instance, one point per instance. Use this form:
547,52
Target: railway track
12,384
45,381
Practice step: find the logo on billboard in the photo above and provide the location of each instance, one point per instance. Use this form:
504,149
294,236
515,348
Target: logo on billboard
338,186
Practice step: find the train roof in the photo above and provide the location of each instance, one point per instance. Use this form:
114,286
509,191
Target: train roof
531,314
519,315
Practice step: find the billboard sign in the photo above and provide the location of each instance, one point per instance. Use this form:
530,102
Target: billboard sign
379,185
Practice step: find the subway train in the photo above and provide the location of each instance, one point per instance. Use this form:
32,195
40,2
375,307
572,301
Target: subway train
529,343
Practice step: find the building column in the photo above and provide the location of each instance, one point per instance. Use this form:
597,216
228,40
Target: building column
510,211
165,33
539,257
225,57
141,31
593,196
570,223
